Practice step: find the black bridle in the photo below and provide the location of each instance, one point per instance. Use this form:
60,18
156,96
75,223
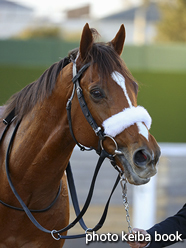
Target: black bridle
102,155
76,87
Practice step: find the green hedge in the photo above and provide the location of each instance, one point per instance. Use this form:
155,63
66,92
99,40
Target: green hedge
44,52
156,57
38,52
162,94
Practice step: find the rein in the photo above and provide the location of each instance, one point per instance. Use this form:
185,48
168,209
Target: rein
102,155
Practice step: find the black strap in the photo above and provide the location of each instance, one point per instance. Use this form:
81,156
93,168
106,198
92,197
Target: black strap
68,108
104,215
73,194
82,102
90,193
7,121
103,155
84,108
80,72
87,113
27,211
76,204
36,210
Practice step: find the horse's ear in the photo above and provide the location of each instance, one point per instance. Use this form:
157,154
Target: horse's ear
86,41
118,41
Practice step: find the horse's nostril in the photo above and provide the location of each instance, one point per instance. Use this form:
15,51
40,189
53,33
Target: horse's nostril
141,157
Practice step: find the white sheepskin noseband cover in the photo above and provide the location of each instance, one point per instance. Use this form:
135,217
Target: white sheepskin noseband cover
128,117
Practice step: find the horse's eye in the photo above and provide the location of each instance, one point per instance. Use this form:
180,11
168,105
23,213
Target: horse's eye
97,94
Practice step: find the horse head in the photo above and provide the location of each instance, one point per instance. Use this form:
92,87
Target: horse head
110,92
38,139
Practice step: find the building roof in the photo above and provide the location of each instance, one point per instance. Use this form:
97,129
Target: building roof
9,4
83,11
152,14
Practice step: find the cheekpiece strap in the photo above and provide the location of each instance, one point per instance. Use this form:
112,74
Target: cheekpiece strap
82,102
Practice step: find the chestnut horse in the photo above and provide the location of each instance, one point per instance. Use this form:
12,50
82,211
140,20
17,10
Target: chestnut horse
43,141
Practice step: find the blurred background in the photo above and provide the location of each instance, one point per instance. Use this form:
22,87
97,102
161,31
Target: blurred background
35,34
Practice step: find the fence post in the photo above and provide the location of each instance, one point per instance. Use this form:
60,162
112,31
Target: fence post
144,201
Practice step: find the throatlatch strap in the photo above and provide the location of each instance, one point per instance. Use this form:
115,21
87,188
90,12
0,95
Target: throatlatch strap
7,121
9,118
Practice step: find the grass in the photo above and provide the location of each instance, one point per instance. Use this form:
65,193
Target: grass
162,94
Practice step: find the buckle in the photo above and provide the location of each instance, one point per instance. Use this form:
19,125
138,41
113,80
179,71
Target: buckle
116,151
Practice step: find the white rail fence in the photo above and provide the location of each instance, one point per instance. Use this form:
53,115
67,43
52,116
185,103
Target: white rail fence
145,196
162,196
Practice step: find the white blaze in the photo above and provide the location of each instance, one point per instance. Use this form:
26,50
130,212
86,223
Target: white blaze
143,130
120,80
129,116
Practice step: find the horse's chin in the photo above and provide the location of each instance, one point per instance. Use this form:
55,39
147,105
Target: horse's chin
130,173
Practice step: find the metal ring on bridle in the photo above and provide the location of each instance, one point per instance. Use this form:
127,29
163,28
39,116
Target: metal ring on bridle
116,151
52,233
88,230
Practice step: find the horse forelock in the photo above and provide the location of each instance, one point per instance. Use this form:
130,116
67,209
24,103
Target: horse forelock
108,61
105,57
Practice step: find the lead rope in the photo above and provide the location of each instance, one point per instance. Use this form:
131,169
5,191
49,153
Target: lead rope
123,183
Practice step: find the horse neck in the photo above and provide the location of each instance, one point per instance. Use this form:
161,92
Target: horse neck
43,144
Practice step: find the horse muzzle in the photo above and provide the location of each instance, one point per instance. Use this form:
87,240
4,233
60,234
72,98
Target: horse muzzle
138,163
140,166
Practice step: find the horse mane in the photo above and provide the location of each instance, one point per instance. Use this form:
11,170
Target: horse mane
24,100
102,54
